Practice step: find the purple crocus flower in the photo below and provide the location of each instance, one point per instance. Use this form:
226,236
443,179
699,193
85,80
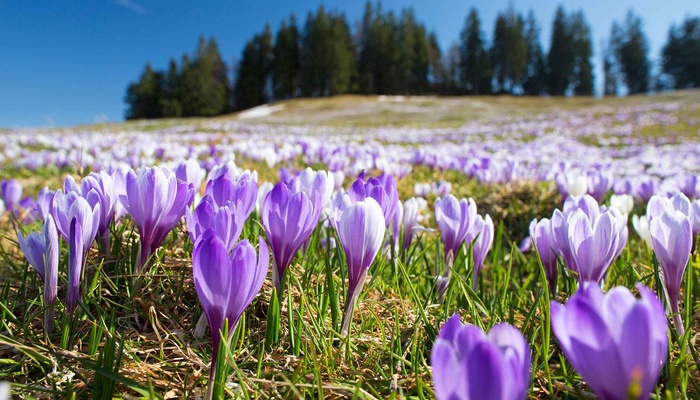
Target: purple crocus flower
599,183
616,342
119,183
469,364
481,247
26,210
42,251
321,183
382,189
191,172
645,189
543,236
242,191
411,207
156,201
658,204
672,240
76,258
77,222
455,219
227,221
11,193
44,202
688,185
585,203
98,187
70,206
695,216
571,183
226,285
593,244
361,229
289,219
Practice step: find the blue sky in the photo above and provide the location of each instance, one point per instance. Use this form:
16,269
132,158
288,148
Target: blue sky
69,62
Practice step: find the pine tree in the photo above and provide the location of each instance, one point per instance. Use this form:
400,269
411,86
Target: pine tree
453,63
508,51
143,98
436,70
474,65
252,83
632,55
583,68
367,50
610,78
681,54
561,59
341,72
286,64
534,79
170,103
204,82
328,55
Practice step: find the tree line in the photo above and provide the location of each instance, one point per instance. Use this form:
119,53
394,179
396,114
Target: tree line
395,54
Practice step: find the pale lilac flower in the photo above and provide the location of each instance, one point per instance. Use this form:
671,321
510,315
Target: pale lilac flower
156,200
44,202
543,236
469,364
11,193
672,240
263,190
623,203
361,229
456,220
599,183
571,183
227,221
289,219
191,171
226,284
242,190
42,251
382,189
481,247
76,259
641,225
98,187
593,244
617,343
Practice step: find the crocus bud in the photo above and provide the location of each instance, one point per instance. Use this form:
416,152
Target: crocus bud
361,229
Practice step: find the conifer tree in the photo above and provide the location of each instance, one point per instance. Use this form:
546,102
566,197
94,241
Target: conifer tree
474,65
286,67
561,59
533,82
583,68
143,97
681,54
632,55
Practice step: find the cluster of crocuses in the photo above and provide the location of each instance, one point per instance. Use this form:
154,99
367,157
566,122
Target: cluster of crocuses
587,238
154,197
229,273
594,331
460,224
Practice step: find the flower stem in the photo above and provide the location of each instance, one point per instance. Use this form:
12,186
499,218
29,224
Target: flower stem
351,300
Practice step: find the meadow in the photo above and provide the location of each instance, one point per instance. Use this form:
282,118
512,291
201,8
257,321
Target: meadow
132,333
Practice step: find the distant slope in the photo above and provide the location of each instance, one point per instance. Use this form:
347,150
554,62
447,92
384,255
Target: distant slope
410,111
430,111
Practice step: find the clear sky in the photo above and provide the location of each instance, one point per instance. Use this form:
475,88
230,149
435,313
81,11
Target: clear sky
67,62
